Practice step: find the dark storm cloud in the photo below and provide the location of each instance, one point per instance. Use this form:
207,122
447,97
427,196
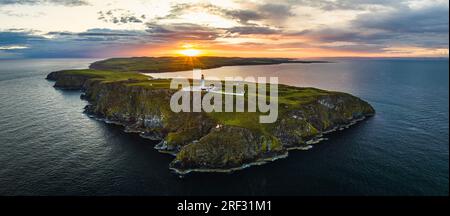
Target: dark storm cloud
36,2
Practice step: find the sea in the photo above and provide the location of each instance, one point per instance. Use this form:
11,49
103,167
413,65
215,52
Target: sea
48,146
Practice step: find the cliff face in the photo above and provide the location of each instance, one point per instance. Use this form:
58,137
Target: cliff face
226,148
325,113
67,81
213,141
147,111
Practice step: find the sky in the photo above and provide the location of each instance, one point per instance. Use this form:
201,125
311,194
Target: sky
245,28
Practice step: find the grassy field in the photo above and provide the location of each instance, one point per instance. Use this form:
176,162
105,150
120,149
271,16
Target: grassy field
211,139
107,76
288,97
171,64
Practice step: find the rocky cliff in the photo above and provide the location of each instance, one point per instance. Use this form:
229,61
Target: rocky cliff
212,141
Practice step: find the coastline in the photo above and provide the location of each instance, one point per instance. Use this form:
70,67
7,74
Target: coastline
260,161
307,115
309,145
177,64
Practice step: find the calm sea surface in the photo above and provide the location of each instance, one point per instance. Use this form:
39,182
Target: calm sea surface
49,147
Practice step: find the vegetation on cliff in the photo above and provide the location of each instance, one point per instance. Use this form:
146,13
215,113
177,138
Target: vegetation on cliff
170,64
211,141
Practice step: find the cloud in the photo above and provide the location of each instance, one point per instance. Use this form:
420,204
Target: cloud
16,36
331,5
252,30
427,20
422,27
91,43
102,35
36,2
13,47
275,12
369,26
240,15
164,28
268,12
100,42
182,31
120,16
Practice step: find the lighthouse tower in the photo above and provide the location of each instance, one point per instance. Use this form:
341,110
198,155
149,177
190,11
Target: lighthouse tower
202,83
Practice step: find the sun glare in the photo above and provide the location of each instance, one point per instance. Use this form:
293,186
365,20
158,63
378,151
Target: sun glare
190,52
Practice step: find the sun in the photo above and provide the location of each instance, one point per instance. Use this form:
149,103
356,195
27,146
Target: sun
190,52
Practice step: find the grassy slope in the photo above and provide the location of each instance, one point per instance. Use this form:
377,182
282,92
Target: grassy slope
107,76
240,140
288,96
170,64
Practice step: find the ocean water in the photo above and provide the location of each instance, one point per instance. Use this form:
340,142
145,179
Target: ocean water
49,147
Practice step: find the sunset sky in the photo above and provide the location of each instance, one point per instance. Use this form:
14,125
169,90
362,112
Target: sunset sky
285,28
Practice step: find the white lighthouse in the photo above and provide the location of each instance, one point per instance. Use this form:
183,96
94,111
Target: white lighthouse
202,83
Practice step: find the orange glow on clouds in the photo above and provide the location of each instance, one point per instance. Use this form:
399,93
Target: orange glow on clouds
270,50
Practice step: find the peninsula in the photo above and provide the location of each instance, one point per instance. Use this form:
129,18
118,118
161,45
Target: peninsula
208,142
172,64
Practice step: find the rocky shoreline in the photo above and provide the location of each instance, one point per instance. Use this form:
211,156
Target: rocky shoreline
205,142
261,161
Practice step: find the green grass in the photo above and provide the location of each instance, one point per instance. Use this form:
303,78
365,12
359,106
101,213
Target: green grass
152,83
294,96
109,76
288,96
170,64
